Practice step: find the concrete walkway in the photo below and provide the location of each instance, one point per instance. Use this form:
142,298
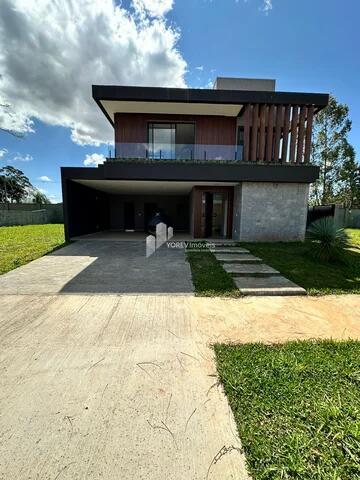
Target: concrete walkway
102,266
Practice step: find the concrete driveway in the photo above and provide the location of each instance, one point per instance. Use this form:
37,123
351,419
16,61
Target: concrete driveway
102,266
112,387
124,386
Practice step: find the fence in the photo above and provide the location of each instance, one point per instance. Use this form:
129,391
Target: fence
343,217
30,213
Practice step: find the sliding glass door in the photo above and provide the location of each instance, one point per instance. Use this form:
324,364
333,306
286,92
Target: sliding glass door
171,141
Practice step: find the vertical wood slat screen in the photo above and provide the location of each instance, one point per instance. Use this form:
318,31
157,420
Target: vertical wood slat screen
284,153
254,131
270,134
278,130
300,144
294,125
308,134
246,132
278,133
263,109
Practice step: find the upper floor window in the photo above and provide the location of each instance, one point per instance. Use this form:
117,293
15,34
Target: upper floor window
171,140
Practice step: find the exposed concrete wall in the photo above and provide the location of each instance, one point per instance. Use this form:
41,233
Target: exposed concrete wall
25,217
273,211
54,210
344,217
233,83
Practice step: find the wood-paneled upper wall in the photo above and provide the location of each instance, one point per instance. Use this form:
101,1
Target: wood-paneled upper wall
277,133
209,130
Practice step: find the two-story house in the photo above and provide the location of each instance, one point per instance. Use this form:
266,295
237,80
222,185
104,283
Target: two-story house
228,162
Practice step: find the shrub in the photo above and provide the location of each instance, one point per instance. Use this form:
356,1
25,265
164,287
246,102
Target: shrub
327,241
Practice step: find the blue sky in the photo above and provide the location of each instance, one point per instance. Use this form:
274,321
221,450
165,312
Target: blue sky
308,46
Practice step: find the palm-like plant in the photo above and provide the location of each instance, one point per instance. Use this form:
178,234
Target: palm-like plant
327,241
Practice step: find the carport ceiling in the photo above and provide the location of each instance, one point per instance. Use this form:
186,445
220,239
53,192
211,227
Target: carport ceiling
138,187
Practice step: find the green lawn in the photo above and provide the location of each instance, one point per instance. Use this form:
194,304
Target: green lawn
20,245
208,276
318,278
296,406
354,234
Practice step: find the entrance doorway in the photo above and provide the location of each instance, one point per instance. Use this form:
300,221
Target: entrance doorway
215,206
129,217
212,211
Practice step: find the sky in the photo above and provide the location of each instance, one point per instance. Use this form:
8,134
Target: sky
53,51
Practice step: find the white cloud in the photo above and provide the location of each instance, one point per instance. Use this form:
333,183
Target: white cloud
42,190
155,8
267,6
44,178
3,152
94,159
200,68
54,199
51,53
19,157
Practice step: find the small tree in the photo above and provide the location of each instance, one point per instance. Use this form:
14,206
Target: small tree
330,148
14,184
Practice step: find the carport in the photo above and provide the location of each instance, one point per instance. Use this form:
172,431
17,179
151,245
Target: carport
125,206
95,202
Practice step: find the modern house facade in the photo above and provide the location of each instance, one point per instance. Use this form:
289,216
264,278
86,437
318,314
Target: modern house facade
228,162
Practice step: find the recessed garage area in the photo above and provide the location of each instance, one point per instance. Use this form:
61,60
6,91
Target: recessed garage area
129,206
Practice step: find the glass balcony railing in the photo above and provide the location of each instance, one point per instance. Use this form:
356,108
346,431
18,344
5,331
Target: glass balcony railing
181,152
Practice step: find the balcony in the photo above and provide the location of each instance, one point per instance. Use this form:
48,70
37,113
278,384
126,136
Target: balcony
146,152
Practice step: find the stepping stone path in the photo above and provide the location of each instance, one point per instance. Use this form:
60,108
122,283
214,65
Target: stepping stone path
251,275
237,258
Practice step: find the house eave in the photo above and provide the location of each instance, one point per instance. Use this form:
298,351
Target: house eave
133,98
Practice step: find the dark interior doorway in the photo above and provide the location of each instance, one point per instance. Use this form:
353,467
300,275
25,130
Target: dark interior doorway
129,216
149,211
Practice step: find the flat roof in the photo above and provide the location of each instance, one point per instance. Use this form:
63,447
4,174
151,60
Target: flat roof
193,101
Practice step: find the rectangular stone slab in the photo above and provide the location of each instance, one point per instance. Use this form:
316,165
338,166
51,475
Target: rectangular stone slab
276,285
233,257
229,250
250,270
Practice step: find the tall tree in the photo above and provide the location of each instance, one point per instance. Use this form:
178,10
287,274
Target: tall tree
349,180
330,147
14,184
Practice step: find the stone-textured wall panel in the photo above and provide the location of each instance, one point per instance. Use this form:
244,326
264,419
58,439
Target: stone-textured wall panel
273,211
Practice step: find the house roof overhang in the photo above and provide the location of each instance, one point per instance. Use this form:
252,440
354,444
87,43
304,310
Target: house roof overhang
192,101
